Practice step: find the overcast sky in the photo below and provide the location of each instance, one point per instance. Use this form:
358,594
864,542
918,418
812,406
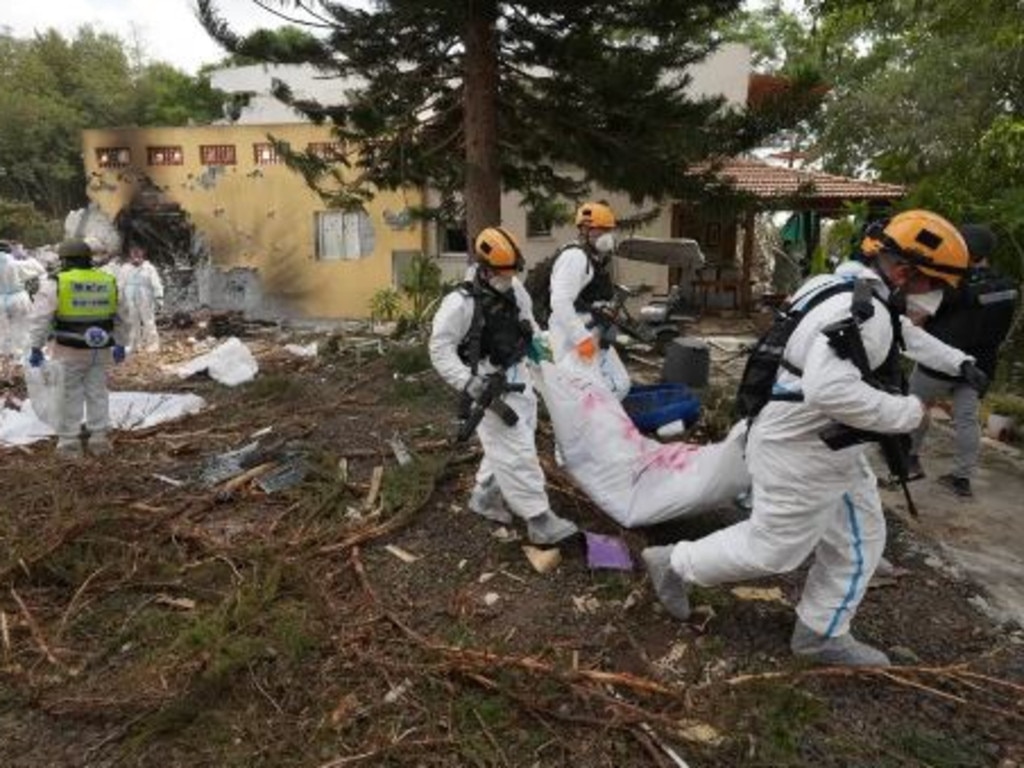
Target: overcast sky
167,29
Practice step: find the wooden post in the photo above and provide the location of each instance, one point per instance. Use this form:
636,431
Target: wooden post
748,259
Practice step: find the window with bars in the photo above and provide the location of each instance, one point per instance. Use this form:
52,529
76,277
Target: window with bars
325,150
113,157
217,154
165,155
265,153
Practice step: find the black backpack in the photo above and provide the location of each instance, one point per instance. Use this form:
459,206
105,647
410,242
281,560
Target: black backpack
762,368
538,284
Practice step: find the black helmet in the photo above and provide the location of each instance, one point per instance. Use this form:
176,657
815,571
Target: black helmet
75,252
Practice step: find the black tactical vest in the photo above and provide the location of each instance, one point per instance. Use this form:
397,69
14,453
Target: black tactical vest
600,287
497,333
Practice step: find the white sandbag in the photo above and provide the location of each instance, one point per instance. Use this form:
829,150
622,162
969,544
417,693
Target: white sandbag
45,386
231,364
635,480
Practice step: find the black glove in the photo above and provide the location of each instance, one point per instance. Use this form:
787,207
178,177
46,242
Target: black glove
975,378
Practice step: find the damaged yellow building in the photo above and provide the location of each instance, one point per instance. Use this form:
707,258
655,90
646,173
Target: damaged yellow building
275,249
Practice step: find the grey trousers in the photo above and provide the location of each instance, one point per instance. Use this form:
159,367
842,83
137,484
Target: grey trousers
967,431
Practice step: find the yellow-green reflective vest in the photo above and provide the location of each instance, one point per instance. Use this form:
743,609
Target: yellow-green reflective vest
86,307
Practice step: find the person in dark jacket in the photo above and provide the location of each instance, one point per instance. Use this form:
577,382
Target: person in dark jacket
977,321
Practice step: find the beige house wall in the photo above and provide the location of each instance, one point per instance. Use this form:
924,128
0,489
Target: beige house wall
257,216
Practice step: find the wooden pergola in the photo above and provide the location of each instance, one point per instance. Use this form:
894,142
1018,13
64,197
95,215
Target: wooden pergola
763,187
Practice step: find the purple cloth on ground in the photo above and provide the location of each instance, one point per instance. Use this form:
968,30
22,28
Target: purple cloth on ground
607,552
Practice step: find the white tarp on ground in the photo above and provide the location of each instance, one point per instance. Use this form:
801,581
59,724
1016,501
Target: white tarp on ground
128,411
635,480
231,364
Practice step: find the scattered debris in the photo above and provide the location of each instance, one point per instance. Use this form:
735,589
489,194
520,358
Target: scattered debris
491,599
403,555
672,661
286,476
505,535
608,552
585,604
760,594
398,691
232,363
402,455
485,577
699,733
543,560
181,603
169,480
669,751
375,483
224,466
307,352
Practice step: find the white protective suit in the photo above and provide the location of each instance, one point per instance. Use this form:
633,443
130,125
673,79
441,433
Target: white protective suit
510,453
141,292
807,498
15,306
572,272
85,371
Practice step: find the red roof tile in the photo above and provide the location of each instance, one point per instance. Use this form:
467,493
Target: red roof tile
771,181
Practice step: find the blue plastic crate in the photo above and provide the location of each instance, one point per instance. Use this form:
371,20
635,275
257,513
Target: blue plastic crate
654,405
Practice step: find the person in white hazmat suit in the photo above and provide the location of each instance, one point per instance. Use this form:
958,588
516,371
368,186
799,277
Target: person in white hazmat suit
808,499
581,277
486,328
142,292
80,308
15,303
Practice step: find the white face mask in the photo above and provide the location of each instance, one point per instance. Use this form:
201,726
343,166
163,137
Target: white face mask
924,303
604,243
501,283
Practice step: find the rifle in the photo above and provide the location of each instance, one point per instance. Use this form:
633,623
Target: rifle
472,410
614,314
844,337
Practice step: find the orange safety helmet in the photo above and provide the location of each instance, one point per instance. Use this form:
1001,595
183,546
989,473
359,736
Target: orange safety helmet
922,238
496,248
595,214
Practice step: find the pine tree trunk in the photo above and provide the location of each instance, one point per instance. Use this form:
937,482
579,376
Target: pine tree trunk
480,107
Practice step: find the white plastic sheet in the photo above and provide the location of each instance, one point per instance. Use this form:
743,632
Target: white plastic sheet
231,364
635,480
128,411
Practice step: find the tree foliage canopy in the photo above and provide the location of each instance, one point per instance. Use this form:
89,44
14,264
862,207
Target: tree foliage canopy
52,87
482,96
927,93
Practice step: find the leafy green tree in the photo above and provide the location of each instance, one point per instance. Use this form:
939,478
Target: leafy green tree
167,96
926,93
52,87
471,98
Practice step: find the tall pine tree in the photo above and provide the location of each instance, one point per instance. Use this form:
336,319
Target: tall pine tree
478,96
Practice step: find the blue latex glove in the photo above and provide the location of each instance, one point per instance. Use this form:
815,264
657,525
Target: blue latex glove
36,358
118,353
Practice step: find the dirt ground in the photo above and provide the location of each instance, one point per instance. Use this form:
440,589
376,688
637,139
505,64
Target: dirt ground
367,618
